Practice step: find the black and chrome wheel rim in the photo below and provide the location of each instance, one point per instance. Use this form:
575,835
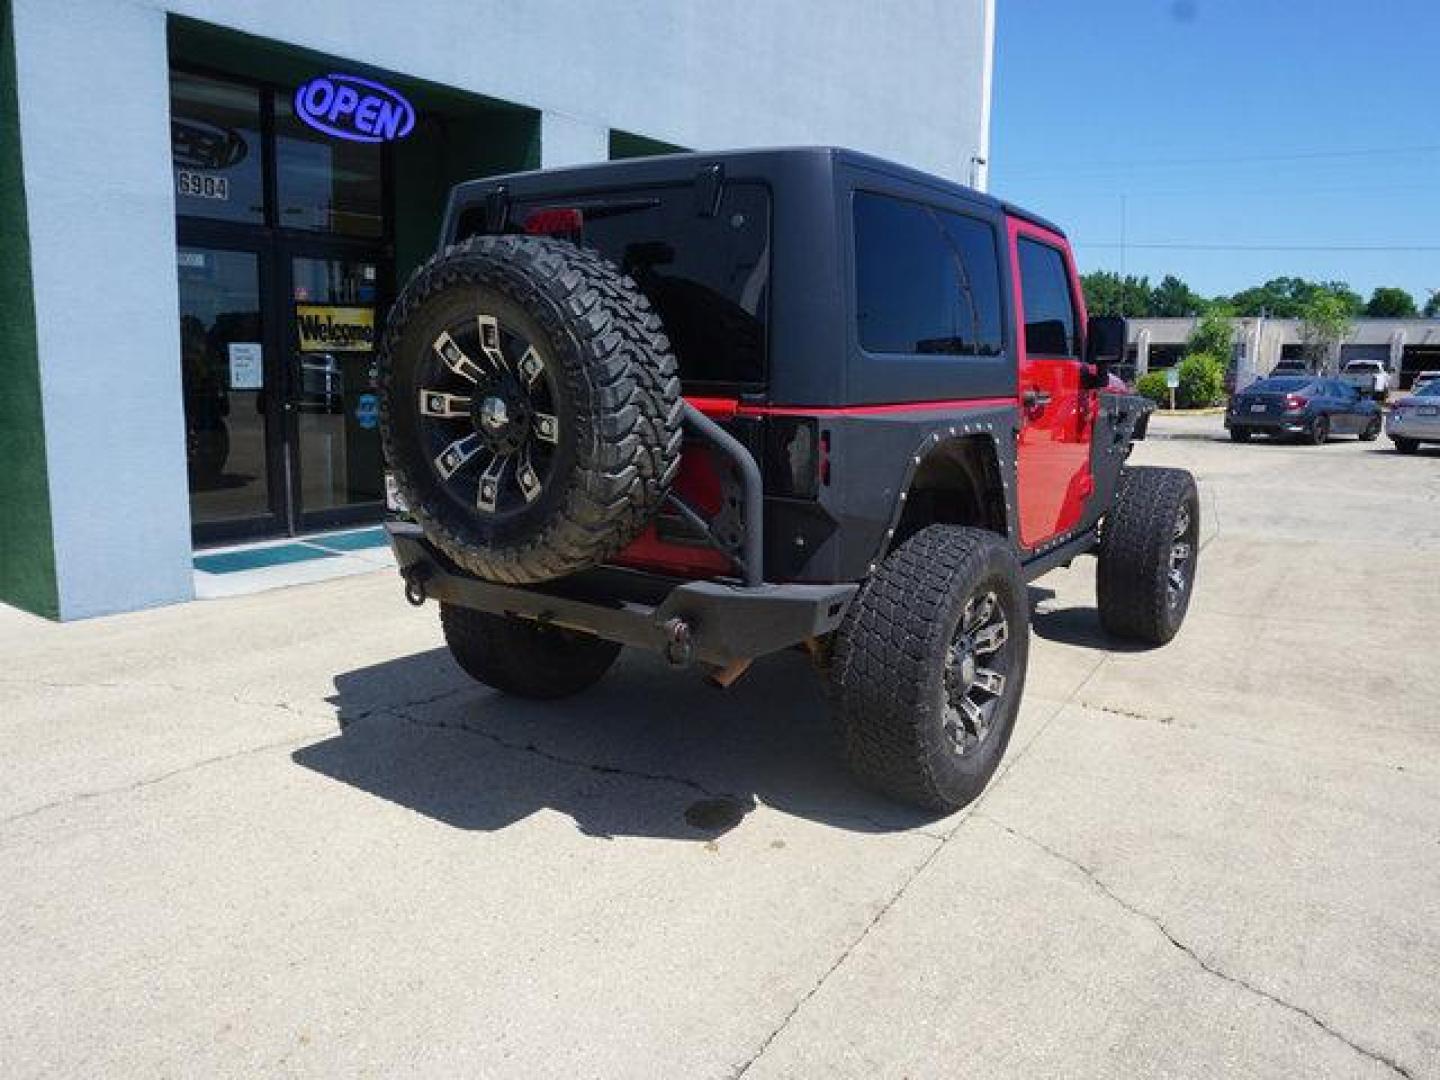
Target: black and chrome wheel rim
1182,557
488,416
978,663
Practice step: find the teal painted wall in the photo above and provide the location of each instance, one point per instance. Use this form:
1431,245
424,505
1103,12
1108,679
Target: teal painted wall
27,549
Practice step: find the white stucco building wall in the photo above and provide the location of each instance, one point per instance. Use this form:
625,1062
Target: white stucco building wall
904,80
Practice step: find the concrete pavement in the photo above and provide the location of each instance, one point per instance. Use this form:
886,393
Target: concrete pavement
283,834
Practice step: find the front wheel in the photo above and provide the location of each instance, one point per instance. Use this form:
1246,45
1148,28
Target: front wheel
1406,446
522,657
929,667
1320,431
1149,547
1372,431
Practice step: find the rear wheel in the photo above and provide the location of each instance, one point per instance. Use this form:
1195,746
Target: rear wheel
1320,431
522,657
1372,431
1240,434
1406,446
1148,552
929,667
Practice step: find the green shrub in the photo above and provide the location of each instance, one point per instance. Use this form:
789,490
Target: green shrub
1152,385
1202,381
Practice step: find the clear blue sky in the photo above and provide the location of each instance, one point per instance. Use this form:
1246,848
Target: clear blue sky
1237,123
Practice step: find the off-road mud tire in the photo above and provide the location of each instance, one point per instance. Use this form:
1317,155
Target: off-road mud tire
887,673
1137,539
617,395
523,658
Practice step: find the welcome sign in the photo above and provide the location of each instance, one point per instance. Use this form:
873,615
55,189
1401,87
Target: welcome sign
349,107
326,328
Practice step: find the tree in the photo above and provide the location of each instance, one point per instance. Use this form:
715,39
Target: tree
1287,297
1324,323
1107,293
1388,302
1172,298
1202,381
1432,306
1214,334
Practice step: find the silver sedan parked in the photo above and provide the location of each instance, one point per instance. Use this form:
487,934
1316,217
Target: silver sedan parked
1416,419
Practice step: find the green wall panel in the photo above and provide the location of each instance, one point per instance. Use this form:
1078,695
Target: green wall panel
625,145
27,549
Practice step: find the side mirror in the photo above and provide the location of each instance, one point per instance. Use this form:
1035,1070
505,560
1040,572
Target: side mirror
1105,337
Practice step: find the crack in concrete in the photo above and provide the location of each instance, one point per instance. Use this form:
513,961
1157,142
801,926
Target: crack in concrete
884,909
1252,740
401,713
150,781
1155,921
172,688
345,719
910,879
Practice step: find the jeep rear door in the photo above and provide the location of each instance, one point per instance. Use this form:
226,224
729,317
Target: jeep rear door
1057,412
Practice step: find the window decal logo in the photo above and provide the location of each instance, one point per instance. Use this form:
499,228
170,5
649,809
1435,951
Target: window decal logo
349,107
197,144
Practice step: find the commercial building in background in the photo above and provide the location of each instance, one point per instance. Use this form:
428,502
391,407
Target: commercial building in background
206,207
1405,347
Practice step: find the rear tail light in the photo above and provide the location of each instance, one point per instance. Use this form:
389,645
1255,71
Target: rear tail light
1295,402
555,221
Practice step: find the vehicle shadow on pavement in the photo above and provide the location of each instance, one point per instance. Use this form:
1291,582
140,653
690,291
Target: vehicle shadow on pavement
1078,626
650,751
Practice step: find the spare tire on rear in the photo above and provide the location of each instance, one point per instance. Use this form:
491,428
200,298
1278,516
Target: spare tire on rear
530,406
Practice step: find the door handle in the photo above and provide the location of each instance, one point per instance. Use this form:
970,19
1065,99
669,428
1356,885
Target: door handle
1035,400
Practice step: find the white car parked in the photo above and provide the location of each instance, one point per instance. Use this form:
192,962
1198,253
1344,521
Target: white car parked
1370,377
1416,419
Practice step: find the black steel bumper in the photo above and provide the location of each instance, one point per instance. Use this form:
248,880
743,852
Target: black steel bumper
709,621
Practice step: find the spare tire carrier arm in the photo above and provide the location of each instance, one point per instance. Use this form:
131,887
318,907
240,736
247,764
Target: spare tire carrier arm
751,557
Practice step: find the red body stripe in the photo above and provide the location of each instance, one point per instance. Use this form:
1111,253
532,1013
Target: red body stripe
716,408
725,408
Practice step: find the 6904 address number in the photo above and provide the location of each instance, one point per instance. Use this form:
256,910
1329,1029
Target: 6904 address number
201,185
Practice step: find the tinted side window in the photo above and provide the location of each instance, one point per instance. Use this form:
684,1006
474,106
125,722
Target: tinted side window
1045,294
926,281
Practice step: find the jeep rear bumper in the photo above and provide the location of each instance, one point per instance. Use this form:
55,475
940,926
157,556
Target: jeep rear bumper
710,621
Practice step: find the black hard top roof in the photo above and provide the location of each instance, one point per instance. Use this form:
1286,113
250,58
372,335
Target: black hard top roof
663,167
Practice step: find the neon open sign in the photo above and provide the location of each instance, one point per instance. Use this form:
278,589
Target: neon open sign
349,107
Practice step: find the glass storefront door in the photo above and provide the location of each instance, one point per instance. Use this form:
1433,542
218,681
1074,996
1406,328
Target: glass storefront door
230,428
285,262
335,308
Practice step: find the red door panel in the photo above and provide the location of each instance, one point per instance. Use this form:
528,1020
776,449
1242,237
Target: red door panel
1057,412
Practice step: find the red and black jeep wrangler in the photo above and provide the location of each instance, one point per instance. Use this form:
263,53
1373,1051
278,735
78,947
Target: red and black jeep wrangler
718,405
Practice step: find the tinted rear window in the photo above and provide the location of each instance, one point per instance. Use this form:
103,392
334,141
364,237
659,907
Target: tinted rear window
707,275
1280,386
927,281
